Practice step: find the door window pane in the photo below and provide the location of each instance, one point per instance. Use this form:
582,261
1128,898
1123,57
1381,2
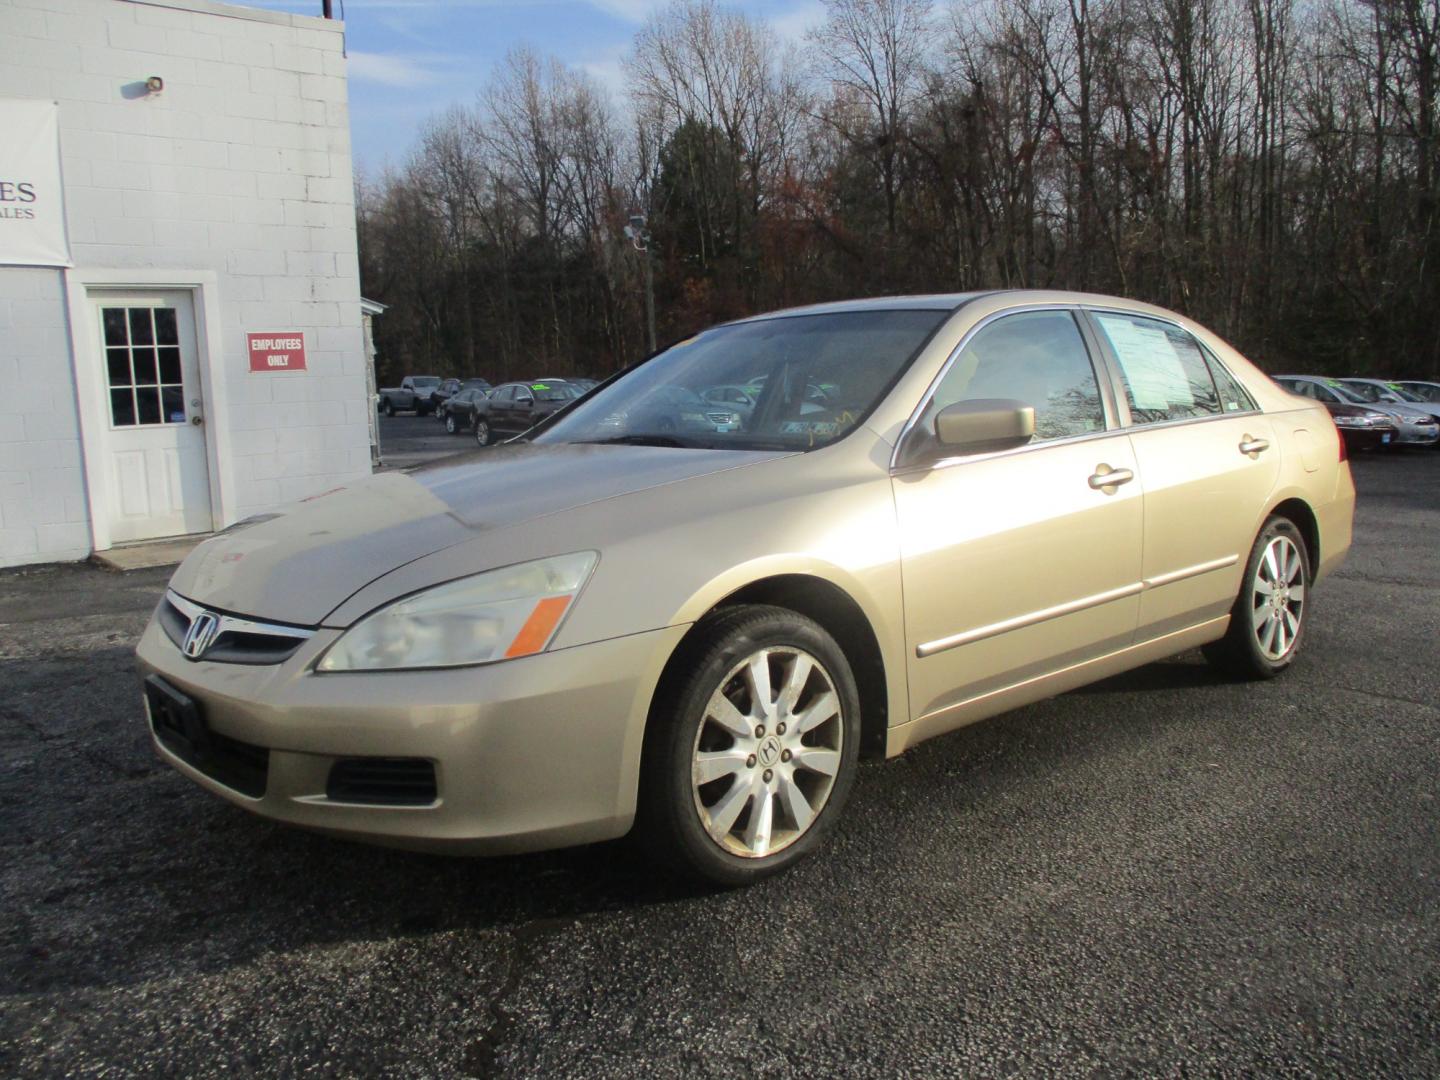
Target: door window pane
172,400
113,320
1163,370
122,407
117,361
1036,357
142,332
166,330
147,403
145,374
169,364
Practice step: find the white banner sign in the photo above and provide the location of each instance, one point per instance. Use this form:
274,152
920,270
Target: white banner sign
32,203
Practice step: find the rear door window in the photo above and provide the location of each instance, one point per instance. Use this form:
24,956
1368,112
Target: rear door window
1163,371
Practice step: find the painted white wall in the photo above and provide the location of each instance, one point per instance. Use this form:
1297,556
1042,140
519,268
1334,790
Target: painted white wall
239,167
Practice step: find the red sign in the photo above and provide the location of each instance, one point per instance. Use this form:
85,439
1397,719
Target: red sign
281,351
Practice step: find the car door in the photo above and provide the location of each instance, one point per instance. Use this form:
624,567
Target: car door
461,405
497,406
519,410
1017,563
1209,459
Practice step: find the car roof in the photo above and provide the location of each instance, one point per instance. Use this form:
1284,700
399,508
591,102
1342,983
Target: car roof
955,301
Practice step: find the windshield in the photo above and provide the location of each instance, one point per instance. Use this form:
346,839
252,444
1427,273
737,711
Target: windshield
1402,393
1365,392
1346,392
553,391
812,379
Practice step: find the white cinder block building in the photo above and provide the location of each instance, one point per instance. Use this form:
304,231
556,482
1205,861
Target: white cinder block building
180,324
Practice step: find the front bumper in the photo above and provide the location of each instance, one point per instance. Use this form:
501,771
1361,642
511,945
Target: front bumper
1417,434
1371,438
533,753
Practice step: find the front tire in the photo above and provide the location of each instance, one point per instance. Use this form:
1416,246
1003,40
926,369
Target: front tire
1267,622
449,422
482,432
752,747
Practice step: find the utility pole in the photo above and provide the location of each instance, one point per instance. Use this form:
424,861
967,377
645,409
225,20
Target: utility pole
640,238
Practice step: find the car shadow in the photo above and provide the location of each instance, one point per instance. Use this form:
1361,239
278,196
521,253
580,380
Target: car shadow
119,870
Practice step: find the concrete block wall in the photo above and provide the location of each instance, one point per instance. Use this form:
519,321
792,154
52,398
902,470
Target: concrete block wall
240,166
43,512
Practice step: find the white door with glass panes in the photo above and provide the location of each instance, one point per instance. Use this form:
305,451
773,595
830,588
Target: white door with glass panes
156,472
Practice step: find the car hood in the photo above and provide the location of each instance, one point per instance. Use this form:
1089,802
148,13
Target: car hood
299,565
1403,410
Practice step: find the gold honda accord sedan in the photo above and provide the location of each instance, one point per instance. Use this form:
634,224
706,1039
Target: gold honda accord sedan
655,612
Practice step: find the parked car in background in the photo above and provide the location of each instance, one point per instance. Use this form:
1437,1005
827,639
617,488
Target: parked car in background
738,399
1364,428
672,409
458,410
1377,391
518,406
1010,495
1413,427
1429,391
413,393
449,388
584,384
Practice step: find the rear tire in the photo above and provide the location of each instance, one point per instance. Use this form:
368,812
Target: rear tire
1267,622
449,422
751,748
482,432
389,407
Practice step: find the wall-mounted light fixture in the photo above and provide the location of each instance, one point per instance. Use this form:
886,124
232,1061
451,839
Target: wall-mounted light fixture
154,84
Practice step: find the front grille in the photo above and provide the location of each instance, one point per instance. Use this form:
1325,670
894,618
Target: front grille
237,641
382,781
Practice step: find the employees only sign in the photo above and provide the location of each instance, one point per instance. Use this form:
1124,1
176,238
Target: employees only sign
279,351
32,205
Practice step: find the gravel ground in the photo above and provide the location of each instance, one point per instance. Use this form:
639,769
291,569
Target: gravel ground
1163,873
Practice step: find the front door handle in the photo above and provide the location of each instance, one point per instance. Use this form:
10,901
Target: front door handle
1107,479
1253,446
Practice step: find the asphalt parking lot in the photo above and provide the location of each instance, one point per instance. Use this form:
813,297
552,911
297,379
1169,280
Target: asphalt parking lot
1163,873
408,440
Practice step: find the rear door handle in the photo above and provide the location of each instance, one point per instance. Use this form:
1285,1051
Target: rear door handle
1253,446
1107,479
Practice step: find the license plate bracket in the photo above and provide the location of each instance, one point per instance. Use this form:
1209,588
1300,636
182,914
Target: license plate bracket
177,722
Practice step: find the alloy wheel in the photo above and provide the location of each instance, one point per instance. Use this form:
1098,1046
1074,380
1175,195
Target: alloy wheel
1277,598
482,433
767,752
449,424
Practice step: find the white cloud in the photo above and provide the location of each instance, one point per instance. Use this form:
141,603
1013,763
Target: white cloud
396,69
792,25
631,11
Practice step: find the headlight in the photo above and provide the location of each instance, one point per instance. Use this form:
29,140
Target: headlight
497,615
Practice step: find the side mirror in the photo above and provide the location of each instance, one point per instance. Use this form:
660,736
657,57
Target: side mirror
984,425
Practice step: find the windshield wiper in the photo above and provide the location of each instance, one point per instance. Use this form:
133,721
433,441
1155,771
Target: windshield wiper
637,440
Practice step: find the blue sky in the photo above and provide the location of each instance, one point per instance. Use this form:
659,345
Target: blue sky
411,58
